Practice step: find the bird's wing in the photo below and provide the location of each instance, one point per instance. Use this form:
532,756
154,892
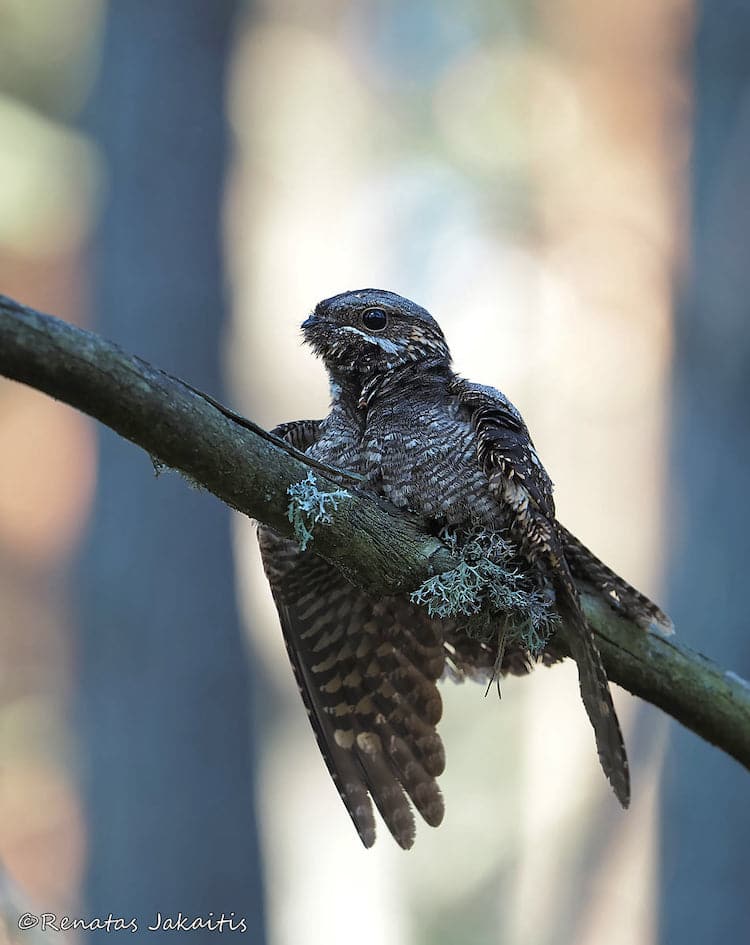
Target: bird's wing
618,593
519,481
366,670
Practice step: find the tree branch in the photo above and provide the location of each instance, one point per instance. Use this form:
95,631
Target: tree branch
377,547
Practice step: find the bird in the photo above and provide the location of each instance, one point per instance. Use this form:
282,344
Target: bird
459,455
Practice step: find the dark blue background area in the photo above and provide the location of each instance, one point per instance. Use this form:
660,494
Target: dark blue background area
165,686
705,839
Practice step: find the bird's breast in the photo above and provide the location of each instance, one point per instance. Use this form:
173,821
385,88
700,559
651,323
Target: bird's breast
423,458
426,460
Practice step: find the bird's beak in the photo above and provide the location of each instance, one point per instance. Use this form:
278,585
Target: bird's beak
309,322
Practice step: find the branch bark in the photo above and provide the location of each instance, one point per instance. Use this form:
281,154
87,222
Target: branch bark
377,547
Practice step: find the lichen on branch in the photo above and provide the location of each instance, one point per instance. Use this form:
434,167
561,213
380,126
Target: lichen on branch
310,506
489,591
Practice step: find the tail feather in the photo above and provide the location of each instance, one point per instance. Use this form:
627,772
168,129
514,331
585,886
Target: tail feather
595,693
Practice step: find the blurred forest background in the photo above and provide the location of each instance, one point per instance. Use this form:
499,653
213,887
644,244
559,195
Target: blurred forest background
566,186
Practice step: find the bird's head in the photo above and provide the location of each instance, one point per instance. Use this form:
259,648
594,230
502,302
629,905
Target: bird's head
372,331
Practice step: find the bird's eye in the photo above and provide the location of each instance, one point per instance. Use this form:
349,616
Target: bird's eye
374,319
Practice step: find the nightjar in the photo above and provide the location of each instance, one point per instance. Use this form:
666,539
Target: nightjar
459,455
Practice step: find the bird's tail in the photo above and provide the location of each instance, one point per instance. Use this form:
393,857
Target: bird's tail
595,692
586,567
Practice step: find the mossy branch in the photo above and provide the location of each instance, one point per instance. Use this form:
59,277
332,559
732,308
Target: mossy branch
377,547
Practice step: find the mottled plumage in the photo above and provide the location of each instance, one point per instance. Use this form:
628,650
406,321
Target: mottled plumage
459,454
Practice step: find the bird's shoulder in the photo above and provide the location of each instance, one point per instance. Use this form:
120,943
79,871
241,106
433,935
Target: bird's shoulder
505,449
482,397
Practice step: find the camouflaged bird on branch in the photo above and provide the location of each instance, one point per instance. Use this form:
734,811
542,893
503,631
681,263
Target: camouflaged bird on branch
459,455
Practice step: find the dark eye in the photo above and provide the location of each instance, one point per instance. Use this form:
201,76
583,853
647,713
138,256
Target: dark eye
374,319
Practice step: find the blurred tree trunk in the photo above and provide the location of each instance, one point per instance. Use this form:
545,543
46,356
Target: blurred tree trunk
706,801
165,691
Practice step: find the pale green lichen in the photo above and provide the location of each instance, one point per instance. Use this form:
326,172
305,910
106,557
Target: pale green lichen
309,506
489,590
